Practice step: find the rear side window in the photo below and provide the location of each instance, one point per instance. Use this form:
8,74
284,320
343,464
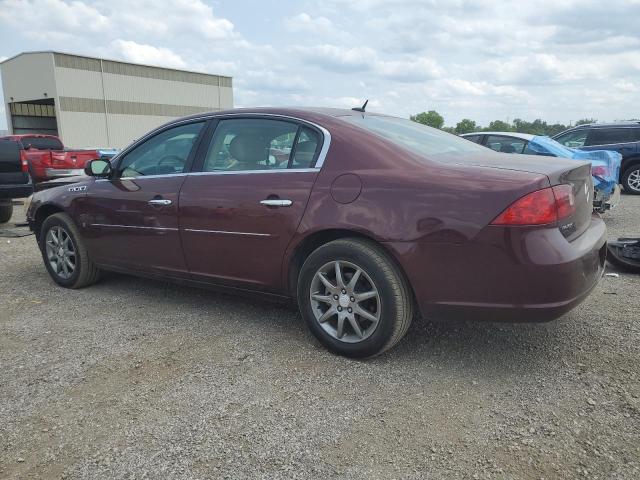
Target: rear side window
306,148
635,135
607,136
42,143
414,136
261,144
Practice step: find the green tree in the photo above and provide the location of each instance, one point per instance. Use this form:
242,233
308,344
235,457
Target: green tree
465,126
584,121
499,126
430,118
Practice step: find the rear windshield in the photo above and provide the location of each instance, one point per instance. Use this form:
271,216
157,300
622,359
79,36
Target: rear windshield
42,143
414,136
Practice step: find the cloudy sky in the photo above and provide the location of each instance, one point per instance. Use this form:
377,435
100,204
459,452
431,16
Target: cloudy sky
559,60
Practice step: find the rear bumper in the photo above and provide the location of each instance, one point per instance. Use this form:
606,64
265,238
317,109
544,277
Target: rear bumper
505,274
15,191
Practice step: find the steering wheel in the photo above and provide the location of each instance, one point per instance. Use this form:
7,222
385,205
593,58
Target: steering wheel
169,162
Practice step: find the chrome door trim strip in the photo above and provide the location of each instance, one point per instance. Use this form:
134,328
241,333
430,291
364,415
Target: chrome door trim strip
249,172
171,229
224,232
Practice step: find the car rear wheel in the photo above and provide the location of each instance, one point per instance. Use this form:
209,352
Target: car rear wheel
354,298
6,212
631,179
64,253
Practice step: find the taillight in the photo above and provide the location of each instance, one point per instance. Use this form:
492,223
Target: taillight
24,163
541,207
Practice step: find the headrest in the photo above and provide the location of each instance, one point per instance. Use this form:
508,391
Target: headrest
248,149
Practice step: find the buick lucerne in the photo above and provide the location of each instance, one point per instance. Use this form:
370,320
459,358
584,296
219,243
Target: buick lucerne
365,219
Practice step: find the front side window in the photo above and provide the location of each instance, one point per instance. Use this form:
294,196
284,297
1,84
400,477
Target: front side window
506,144
608,136
414,136
575,139
260,144
163,154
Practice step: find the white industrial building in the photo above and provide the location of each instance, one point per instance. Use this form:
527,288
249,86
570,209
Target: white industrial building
94,102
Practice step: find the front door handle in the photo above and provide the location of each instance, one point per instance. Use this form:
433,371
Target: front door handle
159,202
272,202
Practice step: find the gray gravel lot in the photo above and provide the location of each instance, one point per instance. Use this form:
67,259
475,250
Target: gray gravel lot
135,378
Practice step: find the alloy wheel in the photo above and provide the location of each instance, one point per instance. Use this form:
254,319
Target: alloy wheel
345,301
60,252
633,180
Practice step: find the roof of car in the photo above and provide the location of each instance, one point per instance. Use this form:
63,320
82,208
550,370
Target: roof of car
632,123
287,111
523,136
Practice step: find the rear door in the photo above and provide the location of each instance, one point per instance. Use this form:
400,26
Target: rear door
238,214
131,219
620,139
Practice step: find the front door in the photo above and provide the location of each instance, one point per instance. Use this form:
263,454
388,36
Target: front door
131,219
238,214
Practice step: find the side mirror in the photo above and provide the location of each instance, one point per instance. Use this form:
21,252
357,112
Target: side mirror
97,168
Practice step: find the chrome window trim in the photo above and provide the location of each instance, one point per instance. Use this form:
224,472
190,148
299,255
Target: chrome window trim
249,172
225,232
215,172
319,162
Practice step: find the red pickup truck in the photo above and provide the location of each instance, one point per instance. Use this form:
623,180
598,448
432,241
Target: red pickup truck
45,158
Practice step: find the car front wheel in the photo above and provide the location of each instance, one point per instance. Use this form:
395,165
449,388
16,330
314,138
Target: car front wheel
631,179
64,253
354,298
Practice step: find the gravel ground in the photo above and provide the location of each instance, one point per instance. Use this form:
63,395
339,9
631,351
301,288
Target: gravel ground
135,378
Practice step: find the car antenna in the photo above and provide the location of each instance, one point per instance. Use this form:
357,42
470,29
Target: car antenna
361,109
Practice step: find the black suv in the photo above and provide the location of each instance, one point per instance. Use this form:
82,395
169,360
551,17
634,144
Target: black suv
14,179
624,138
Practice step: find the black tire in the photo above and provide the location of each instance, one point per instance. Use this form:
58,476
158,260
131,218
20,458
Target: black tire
635,169
85,272
614,256
6,212
395,297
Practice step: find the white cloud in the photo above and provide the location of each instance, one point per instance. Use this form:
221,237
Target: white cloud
305,23
147,54
464,58
337,59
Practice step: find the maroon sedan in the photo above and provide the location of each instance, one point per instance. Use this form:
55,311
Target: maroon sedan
366,219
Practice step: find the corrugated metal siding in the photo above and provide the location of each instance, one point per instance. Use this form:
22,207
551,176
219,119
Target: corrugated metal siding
130,70
77,62
93,105
152,90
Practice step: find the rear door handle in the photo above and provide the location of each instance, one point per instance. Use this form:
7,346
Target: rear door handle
276,203
157,202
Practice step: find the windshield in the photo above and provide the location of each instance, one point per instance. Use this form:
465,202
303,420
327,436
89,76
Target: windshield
42,143
543,144
414,136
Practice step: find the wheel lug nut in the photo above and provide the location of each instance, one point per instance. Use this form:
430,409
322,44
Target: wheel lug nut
335,297
339,309
350,310
352,299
